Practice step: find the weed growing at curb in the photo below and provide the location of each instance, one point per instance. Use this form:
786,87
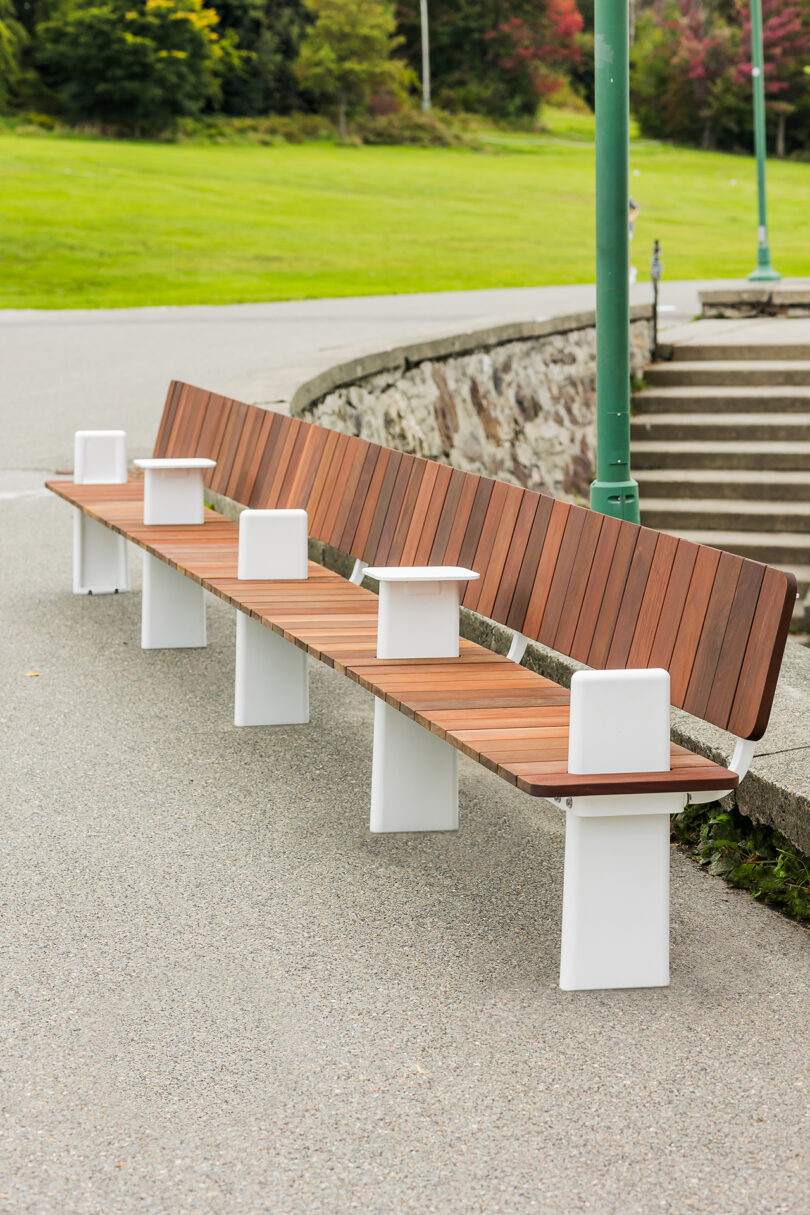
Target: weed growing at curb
749,856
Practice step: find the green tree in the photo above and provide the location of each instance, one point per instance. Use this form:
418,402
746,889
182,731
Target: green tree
133,64
267,34
347,53
498,57
12,41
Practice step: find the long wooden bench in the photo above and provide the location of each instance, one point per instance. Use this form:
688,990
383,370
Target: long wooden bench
612,595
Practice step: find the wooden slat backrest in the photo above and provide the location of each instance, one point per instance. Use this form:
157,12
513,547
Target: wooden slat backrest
608,593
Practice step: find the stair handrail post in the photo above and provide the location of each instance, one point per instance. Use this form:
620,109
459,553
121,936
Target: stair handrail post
613,492
656,272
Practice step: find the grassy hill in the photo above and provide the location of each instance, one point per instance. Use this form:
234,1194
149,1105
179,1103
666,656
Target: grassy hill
97,223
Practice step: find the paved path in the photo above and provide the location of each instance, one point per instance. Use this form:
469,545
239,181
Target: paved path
220,994
111,367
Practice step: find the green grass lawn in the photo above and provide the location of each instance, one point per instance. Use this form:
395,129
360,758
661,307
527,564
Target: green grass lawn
92,223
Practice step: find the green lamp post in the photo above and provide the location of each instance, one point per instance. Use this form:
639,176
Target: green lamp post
613,492
764,272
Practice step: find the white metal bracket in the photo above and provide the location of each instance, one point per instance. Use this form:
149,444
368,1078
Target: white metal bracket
518,647
359,572
740,762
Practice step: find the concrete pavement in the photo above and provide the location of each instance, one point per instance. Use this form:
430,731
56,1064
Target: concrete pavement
111,367
220,994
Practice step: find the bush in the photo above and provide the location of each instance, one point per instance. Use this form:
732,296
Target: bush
409,127
133,67
272,129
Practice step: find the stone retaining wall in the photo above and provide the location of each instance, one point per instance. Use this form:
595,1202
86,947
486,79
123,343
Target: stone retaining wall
516,402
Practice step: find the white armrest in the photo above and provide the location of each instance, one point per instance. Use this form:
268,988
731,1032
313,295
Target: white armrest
173,489
418,616
420,573
169,463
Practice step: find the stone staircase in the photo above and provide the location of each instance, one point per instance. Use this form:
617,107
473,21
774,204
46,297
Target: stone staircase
721,452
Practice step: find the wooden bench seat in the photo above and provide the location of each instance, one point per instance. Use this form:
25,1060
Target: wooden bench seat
504,716
657,619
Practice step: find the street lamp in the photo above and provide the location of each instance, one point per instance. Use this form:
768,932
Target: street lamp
613,492
764,272
423,13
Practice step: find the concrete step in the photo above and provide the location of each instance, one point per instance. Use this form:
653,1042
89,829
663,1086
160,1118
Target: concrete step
719,454
721,399
733,352
784,549
745,373
747,427
724,483
668,514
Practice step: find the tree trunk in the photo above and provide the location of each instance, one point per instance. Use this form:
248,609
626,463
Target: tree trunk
780,136
344,134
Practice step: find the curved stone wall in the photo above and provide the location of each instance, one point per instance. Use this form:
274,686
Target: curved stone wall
516,402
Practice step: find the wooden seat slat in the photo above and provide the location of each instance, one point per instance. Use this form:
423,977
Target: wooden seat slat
613,593
669,621
335,491
715,623
552,542
406,468
652,601
405,519
522,565
738,629
632,597
561,578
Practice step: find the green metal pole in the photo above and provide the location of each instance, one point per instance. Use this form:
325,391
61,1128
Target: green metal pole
613,492
764,272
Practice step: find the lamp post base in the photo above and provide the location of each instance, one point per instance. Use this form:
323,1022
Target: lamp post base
619,499
764,272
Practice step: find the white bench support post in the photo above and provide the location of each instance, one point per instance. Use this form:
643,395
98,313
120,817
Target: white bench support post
100,565
272,679
615,922
414,781
173,607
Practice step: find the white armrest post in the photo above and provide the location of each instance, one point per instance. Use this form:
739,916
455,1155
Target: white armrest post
173,608
414,780
100,565
615,923
272,680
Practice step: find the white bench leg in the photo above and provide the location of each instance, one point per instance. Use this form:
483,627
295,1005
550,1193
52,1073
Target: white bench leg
100,562
615,921
100,559
272,680
414,779
173,608
272,677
